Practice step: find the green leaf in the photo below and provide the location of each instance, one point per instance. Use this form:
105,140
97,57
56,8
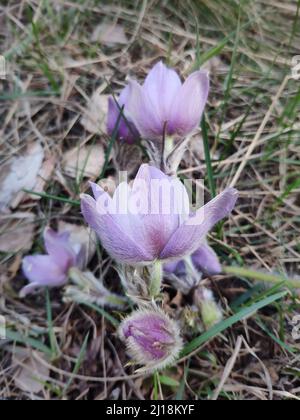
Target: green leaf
265,277
166,380
18,338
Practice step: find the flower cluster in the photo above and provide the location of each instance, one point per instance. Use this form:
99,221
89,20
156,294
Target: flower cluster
147,226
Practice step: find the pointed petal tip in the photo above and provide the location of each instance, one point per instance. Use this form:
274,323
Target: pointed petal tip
84,196
96,189
232,191
27,290
48,231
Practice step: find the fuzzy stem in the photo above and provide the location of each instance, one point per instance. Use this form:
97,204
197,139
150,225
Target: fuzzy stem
169,146
156,274
255,275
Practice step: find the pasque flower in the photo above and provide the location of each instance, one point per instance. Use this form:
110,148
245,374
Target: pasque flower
204,260
150,220
165,106
51,270
152,338
115,118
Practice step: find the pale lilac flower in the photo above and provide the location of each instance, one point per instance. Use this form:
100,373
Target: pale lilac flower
126,129
205,260
152,338
51,270
146,229
163,105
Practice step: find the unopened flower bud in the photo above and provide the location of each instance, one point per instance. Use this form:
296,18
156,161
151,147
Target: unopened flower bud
211,312
87,289
152,338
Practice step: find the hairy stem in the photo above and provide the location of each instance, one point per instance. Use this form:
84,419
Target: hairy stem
156,274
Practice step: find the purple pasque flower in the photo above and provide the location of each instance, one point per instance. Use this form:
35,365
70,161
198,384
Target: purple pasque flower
165,106
152,338
51,270
126,129
204,260
150,220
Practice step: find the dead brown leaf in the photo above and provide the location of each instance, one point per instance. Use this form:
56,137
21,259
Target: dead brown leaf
20,173
16,232
30,372
109,34
86,162
94,118
43,177
109,185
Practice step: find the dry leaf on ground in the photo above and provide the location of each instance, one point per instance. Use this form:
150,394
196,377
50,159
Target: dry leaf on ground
43,177
109,184
16,232
86,161
109,34
20,173
30,372
94,118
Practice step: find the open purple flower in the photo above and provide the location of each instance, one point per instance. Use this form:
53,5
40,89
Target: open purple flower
204,260
150,220
126,130
152,338
163,105
51,270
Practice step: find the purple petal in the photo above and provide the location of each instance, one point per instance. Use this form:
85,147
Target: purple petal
115,239
164,197
206,260
145,117
98,191
42,271
189,236
175,267
59,248
112,116
160,89
126,130
190,102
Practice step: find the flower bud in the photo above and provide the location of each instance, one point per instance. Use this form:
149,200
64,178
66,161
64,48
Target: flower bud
87,289
211,312
152,338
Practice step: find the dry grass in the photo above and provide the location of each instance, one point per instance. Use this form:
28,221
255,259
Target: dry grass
253,118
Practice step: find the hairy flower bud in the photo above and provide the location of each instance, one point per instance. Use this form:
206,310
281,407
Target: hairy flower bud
211,312
152,338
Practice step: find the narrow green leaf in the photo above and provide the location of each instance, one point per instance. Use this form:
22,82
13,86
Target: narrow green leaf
166,380
227,323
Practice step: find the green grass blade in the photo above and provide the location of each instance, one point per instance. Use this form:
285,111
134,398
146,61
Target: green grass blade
229,322
264,277
209,168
